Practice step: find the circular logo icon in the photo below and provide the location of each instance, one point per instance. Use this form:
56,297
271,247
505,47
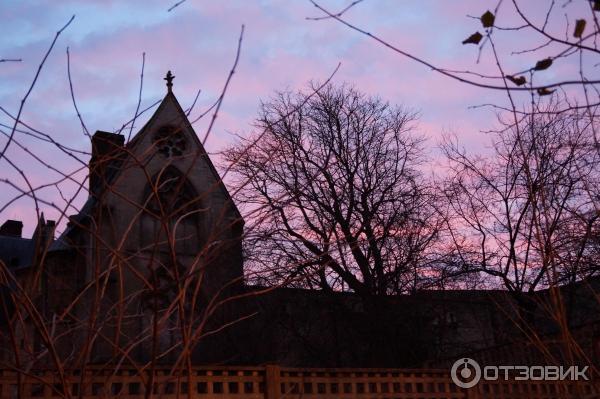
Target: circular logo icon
465,372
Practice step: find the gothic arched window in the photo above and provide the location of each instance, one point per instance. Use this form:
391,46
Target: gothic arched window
172,216
172,194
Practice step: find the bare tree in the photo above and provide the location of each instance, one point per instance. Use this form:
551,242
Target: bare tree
522,219
527,218
515,212
342,204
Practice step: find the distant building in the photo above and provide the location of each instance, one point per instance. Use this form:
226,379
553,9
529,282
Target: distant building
159,222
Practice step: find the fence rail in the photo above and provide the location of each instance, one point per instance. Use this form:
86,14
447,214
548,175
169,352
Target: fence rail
274,382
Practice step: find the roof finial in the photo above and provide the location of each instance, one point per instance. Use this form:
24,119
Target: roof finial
169,78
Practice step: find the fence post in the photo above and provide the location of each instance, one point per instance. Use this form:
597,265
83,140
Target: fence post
472,393
272,381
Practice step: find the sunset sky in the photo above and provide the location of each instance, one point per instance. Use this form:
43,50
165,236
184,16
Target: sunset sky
197,40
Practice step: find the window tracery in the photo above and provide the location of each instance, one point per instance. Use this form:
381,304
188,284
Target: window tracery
174,193
170,141
172,214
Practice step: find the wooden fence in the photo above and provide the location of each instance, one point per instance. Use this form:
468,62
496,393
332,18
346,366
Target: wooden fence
273,382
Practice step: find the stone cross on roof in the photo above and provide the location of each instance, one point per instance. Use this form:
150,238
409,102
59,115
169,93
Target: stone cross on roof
169,78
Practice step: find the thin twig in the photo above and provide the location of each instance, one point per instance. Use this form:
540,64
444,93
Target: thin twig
222,96
443,70
339,14
137,109
37,74
85,129
176,5
189,110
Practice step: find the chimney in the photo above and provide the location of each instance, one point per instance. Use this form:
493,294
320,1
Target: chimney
44,230
43,236
107,148
12,228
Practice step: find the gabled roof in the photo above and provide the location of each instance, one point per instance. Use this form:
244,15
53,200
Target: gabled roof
63,242
187,125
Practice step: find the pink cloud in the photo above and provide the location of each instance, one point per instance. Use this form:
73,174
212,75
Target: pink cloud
281,49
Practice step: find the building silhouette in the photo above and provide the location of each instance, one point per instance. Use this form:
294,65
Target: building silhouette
159,240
